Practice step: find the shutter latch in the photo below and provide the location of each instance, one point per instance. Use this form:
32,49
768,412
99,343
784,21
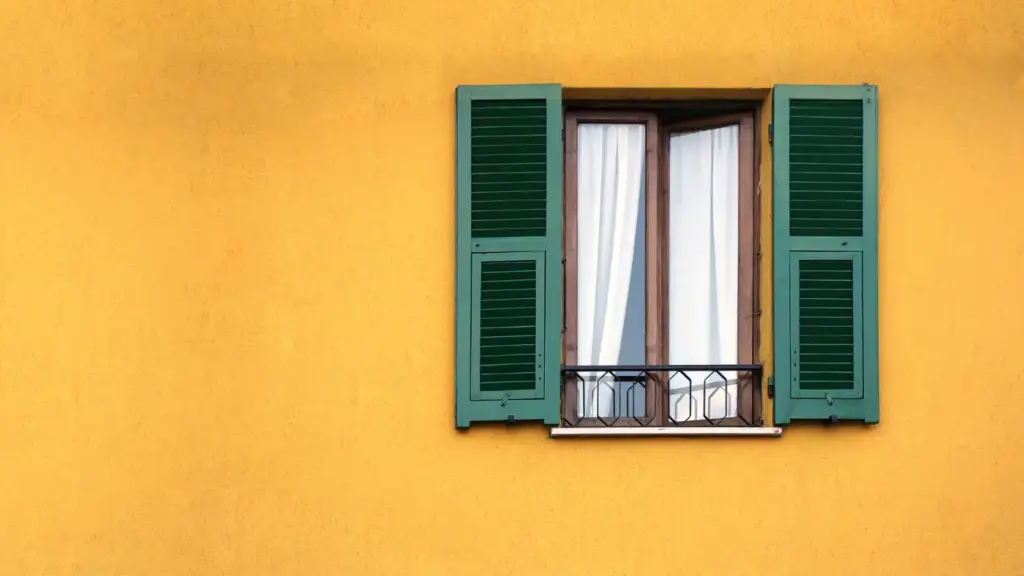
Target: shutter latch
771,134
771,386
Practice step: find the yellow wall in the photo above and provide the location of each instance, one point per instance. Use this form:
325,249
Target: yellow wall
227,278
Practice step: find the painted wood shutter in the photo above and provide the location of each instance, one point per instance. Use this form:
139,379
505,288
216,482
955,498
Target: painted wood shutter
825,157
508,263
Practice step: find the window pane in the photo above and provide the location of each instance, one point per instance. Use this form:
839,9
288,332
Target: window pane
612,276
703,270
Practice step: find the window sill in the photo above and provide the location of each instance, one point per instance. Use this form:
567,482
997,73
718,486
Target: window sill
611,432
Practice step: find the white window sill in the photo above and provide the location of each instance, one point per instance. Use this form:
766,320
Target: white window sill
610,432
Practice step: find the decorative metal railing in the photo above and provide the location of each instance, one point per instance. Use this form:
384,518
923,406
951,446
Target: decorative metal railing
664,395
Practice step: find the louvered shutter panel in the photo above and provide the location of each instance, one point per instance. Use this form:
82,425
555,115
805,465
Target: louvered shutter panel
825,237
508,253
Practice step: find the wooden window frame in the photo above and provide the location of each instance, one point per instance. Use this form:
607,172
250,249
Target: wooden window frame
654,349
657,134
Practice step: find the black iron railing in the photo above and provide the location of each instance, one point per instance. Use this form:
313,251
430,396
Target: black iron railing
664,395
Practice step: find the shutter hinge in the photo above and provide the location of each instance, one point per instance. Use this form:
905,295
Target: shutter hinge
771,386
771,134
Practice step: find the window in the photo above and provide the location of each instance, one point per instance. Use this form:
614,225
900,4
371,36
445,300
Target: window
616,286
660,248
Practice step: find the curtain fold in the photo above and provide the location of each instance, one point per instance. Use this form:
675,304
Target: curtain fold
611,178
703,270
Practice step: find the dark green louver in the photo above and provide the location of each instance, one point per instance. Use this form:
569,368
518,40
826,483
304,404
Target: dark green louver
825,308
826,169
509,168
508,253
507,312
825,157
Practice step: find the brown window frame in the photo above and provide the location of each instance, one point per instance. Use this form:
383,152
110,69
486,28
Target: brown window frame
659,128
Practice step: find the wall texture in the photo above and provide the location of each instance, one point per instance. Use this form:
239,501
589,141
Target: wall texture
226,297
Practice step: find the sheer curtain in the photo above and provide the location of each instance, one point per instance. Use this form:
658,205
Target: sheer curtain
703,269
611,182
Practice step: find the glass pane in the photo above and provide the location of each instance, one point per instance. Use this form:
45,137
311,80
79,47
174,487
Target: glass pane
611,271
703,270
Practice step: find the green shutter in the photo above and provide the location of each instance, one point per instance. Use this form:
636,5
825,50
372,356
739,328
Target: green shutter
825,237
508,262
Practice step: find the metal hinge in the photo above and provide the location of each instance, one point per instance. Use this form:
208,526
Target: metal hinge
771,134
771,386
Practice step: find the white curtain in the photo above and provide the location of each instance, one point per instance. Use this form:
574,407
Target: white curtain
611,176
703,270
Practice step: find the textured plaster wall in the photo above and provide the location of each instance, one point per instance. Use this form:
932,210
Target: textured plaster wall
226,296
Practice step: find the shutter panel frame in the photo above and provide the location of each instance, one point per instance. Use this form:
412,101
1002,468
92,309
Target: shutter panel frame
515,121
824,137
